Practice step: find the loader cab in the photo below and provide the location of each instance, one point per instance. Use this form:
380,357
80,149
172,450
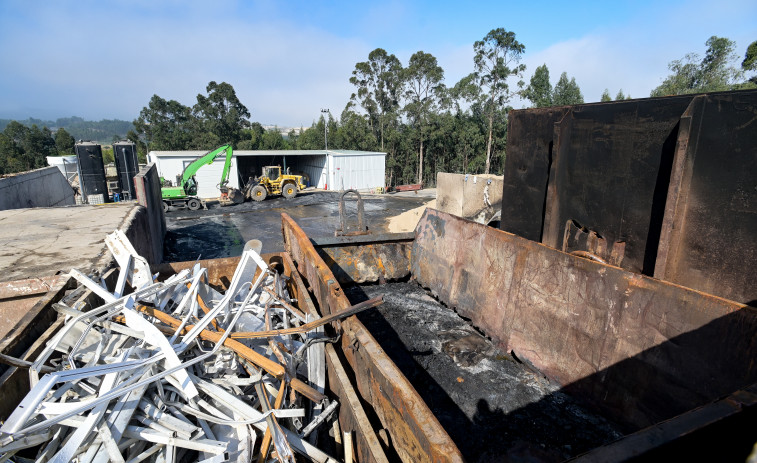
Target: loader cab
272,172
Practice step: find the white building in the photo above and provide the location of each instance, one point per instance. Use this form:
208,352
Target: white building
326,169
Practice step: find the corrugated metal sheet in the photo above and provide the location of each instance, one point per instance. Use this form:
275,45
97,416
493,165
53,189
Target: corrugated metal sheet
357,172
315,168
209,177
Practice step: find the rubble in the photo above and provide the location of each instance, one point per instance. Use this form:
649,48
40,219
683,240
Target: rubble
176,371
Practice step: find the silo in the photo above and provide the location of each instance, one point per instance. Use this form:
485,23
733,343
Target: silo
127,166
94,189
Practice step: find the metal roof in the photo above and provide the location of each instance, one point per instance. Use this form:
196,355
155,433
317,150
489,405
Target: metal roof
196,153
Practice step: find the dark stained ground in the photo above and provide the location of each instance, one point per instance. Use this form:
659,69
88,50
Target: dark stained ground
223,231
491,405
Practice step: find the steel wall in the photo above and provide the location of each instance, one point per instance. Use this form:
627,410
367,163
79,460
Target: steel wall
597,178
641,349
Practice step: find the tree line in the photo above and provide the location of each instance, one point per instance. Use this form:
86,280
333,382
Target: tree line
25,148
404,109
408,111
104,131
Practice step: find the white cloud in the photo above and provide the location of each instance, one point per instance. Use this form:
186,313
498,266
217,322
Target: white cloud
283,73
106,59
635,57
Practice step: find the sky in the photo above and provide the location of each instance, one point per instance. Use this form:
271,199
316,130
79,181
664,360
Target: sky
288,60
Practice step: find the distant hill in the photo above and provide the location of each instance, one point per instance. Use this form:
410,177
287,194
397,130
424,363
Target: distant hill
99,131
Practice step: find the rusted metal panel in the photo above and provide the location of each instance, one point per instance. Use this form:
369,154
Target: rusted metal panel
641,349
34,321
352,417
30,287
411,187
416,434
368,262
610,173
672,440
18,297
711,222
663,182
29,336
529,157
219,270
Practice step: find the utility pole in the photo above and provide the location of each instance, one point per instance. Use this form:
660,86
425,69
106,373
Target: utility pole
326,127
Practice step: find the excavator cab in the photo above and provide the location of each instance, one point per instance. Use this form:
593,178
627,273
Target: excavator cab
190,187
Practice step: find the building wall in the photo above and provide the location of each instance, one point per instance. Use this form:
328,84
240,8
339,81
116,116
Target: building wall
358,172
332,171
45,187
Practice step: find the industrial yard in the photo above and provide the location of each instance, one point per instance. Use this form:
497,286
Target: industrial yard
594,303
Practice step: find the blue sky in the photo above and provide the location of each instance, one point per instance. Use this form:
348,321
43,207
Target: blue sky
287,60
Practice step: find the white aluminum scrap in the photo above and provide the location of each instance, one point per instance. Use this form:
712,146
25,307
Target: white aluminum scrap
128,383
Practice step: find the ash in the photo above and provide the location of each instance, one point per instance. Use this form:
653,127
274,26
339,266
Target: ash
493,407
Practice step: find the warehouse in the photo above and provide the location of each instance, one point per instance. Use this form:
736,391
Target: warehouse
326,169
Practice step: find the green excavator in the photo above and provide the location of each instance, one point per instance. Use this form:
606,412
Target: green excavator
185,193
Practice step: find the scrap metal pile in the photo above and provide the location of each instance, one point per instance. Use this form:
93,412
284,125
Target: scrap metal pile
176,371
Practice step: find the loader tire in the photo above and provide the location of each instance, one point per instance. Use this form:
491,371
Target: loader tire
258,193
289,191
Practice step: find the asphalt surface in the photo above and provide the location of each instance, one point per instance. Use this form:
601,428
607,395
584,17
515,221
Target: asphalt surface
223,231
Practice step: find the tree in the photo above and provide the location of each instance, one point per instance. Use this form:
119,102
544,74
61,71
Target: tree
273,140
354,133
10,155
108,156
496,59
423,77
38,145
750,58
567,91
64,142
620,96
539,90
606,96
312,138
713,73
750,61
379,84
166,125
221,114
251,137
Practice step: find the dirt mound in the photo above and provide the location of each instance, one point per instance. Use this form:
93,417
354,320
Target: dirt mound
407,221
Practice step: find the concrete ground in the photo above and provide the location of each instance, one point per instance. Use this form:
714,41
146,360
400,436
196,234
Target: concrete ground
39,242
223,231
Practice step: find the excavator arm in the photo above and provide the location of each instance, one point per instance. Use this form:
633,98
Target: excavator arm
188,182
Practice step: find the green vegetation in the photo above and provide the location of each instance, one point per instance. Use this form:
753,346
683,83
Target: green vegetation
715,72
102,132
539,91
25,148
408,112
